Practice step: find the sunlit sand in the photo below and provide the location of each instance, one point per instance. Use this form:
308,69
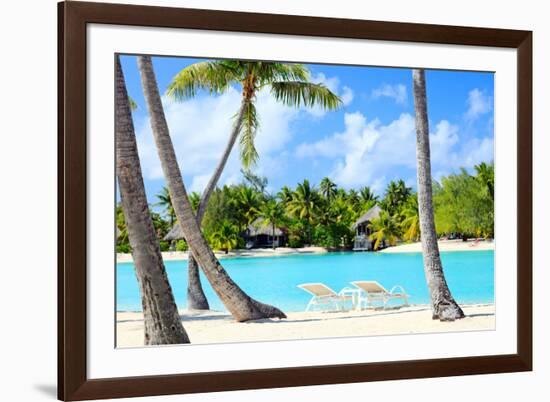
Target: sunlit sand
217,327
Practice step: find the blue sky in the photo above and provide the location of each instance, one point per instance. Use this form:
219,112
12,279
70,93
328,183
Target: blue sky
368,142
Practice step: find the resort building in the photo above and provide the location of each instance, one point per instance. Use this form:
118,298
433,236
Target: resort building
363,230
175,233
259,234
256,235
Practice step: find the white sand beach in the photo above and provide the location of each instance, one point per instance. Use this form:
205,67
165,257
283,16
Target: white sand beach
444,245
256,252
217,327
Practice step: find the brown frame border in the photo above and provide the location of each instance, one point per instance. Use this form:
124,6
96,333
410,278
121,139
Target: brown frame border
73,383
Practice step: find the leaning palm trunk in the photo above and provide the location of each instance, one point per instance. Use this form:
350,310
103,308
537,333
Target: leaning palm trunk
239,304
444,307
162,322
196,299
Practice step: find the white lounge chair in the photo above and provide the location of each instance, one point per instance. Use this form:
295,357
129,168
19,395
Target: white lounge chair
373,292
323,295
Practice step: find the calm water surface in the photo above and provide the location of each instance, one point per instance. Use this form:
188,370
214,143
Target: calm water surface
273,280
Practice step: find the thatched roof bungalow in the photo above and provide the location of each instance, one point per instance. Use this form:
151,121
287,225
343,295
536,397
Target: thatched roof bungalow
260,234
175,233
367,218
362,229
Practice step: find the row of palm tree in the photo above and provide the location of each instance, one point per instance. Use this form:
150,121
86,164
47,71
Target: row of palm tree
289,84
313,215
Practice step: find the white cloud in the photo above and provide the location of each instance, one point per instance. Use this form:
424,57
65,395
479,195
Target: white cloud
478,103
397,92
346,95
199,129
442,141
332,83
366,151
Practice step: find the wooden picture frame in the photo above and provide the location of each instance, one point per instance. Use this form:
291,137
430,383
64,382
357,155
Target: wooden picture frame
73,17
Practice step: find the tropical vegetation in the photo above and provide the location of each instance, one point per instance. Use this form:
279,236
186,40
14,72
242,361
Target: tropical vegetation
288,83
459,205
311,215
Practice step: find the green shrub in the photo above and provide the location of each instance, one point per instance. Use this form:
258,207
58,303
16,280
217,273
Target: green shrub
164,246
181,245
123,248
295,241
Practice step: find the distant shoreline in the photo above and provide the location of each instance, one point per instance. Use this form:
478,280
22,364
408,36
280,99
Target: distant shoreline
257,252
444,245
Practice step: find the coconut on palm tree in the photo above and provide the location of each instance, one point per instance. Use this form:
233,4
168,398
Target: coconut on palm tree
162,323
238,303
444,307
272,214
288,83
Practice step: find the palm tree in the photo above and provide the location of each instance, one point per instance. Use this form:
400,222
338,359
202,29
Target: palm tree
485,174
161,319
226,237
258,183
305,205
195,199
328,188
285,195
396,194
239,304
444,307
384,228
273,214
367,199
353,198
122,229
166,203
288,83
367,195
247,203
411,222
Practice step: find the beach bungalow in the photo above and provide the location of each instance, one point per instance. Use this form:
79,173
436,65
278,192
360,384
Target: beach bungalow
259,234
174,234
363,231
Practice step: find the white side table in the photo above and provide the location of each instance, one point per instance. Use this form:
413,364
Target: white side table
355,295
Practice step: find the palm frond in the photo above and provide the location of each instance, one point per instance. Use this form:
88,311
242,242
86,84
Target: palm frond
248,127
297,93
272,72
212,76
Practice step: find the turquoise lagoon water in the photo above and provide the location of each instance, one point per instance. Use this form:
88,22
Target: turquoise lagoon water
273,280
